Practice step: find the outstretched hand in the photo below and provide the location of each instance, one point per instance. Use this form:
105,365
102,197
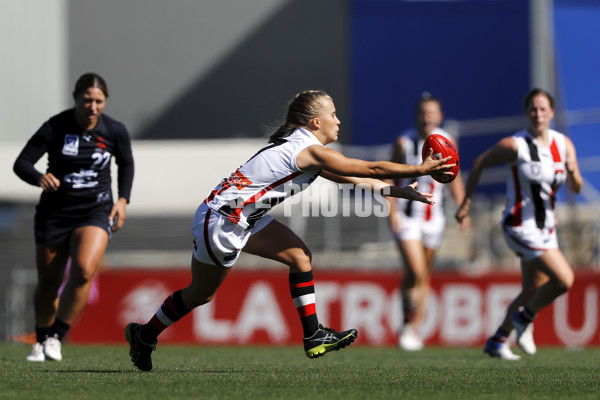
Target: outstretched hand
432,166
411,193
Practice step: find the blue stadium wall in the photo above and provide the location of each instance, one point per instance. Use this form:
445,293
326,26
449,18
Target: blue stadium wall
577,50
474,56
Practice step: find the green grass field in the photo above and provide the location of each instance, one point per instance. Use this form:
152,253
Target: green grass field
194,372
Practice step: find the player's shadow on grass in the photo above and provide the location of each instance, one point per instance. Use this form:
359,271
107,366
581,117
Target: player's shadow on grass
120,371
93,371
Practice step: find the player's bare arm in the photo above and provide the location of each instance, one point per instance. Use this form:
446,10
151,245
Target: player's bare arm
457,190
318,157
573,174
408,192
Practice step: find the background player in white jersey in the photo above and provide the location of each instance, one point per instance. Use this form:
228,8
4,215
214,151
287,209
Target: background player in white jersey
539,160
234,218
418,227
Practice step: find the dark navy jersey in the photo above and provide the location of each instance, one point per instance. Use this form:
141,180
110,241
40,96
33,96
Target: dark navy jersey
81,160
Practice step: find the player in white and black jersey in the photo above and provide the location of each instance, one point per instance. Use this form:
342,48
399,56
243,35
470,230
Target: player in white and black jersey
76,214
418,228
234,218
539,160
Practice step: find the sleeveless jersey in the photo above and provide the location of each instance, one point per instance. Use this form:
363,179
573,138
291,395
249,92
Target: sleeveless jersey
533,180
412,143
264,181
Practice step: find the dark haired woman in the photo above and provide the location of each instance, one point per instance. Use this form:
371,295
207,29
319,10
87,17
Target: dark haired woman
234,218
539,160
76,214
419,228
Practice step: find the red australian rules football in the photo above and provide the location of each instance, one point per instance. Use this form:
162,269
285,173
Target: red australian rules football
442,148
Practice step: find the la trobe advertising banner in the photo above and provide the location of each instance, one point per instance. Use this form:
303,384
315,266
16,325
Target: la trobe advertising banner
255,307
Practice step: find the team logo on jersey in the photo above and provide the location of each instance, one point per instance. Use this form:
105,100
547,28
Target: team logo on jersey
100,143
239,180
71,146
536,169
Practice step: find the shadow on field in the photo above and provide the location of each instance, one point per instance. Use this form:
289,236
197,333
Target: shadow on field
97,371
93,371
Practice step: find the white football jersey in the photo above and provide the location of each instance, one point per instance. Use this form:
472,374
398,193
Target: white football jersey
412,143
264,181
533,180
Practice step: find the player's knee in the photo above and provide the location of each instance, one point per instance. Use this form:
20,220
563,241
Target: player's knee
421,277
566,282
301,259
80,275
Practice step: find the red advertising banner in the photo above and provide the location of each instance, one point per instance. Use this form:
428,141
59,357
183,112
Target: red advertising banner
255,307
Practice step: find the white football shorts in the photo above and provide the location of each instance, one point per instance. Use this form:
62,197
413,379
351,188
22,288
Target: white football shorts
529,242
430,232
219,241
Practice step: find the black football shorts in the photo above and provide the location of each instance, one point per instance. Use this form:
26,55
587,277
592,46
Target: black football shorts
55,230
